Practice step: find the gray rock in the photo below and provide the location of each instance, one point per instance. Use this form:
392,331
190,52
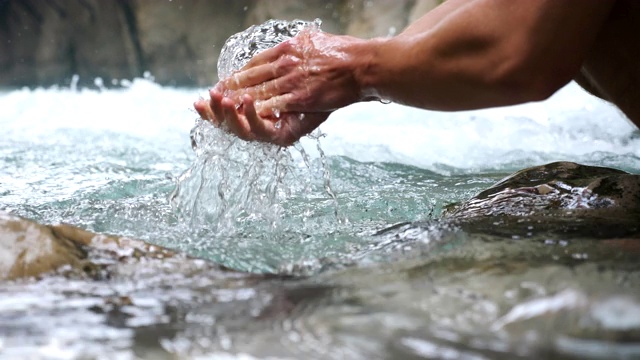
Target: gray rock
330,12
377,18
177,42
421,7
181,40
558,197
48,42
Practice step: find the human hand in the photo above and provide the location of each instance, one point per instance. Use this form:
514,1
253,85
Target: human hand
243,120
312,72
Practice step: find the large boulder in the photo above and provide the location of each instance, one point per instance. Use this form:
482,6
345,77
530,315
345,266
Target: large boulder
44,42
180,40
422,7
177,42
377,18
558,197
30,249
330,12
47,42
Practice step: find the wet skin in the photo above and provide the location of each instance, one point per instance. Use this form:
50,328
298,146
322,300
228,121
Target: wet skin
462,55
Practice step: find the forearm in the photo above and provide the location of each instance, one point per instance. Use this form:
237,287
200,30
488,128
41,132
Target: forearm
482,53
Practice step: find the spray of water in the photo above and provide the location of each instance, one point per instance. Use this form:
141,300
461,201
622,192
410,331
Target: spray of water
234,183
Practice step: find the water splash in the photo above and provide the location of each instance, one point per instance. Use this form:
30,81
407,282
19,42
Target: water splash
234,183
241,47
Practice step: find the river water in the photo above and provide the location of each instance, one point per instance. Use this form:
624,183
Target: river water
108,161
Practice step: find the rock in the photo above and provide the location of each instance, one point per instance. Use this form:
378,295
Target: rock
29,249
177,42
422,7
180,40
559,197
330,12
48,42
377,18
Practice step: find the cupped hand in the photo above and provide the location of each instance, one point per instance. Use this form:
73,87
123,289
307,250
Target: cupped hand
243,120
312,72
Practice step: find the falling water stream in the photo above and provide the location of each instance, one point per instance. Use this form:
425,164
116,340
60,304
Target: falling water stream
233,181
385,277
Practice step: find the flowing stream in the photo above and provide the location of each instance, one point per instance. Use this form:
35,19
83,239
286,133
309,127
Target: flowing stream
362,286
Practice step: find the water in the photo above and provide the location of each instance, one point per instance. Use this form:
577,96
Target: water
241,47
108,161
234,185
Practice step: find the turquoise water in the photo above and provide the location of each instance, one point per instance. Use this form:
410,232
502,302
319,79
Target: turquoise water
108,161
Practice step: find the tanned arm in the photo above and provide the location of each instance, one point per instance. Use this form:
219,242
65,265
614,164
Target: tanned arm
465,54
483,53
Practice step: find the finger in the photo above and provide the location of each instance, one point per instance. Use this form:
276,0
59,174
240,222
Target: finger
263,129
281,103
264,74
238,125
251,77
269,55
216,106
203,109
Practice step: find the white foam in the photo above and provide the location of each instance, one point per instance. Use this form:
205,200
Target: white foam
144,110
570,126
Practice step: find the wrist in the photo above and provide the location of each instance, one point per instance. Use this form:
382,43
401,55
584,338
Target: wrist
368,68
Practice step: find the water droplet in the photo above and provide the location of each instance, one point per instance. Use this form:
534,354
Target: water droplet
74,82
276,113
278,124
99,83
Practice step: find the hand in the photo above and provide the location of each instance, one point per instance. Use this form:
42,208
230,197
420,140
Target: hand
244,122
312,72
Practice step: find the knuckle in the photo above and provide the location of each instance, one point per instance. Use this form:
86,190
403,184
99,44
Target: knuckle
285,63
243,135
287,46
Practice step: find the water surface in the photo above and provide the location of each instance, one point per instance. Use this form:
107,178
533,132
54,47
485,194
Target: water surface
107,161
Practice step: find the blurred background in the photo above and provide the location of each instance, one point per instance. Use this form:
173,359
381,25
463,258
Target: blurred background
47,42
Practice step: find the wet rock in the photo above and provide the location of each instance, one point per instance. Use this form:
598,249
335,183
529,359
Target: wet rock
559,197
29,249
